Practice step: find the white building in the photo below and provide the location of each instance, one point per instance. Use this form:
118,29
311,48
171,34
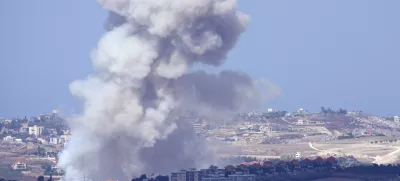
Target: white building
265,129
35,130
54,140
270,110
19,166
64,139
55,111
396,119
302,111
8,138
297,155
300,122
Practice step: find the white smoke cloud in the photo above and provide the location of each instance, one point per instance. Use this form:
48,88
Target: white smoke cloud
142,81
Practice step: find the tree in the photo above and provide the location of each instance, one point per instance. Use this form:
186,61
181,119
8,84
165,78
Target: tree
59,131
330,111
143,177
41,151
40,178
342,111
45,132
162,178
13,125
323,110
213,168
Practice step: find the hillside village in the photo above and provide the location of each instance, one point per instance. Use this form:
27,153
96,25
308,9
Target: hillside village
30,146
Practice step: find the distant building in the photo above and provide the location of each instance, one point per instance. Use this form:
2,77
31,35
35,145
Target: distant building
353,113
8,138
186,175
23,129
178,176
270,110
24,125
300,122
198,127
239,176
396,119
193,175
265,129
64,140
35,130
54,140
302,111
19,166
297,155
66,132
214,179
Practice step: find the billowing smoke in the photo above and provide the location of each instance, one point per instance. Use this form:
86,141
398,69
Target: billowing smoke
143,81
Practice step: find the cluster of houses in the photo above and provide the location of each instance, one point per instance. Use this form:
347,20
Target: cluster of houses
249,171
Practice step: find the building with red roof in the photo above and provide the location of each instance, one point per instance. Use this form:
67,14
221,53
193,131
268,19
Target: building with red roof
331,160
268,164
319,160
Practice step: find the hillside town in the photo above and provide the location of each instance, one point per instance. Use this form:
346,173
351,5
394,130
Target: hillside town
30,146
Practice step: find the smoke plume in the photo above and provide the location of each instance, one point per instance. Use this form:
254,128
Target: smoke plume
143,80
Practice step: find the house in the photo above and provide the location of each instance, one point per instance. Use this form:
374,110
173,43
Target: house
349,162
300,122
36,130
302,111
331,161
369,132
186,175
19,166
396,119
297,155
8,138
52,131
281,163
319,161
268,164
54,140
23,129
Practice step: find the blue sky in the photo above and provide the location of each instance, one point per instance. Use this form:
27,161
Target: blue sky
321,53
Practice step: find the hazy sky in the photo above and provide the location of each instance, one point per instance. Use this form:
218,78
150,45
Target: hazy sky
320,53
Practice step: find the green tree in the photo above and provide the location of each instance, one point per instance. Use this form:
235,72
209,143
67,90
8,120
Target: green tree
323,110
342,111
40,178
45,132
41,151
